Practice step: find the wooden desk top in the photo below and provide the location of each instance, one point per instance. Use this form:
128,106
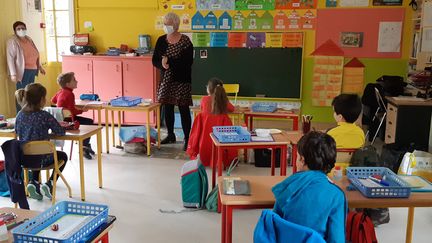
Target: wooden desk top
139,107
279,139
279,112
7,133
409,101
261,194
84,131
85,104
238,110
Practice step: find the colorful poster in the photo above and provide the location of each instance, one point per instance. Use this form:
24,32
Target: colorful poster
280,21
327,79
239,21
198,21
201,39
387,2
237,39
185,22
225,21
274,40
255,40
331,3
266,21
294,21
159,22
252,21
296,4
210,21
219,39
353,77
254,4
353,3
215,4
292,39
308,21
176,4
389,36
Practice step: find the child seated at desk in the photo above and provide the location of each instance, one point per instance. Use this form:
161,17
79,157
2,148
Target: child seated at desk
347,109
308,197
65,98
214,109
32,124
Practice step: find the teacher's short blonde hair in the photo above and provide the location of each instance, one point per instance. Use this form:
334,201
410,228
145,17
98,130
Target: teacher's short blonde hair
174,18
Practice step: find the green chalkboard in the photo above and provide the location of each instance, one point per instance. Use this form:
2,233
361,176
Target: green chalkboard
273,72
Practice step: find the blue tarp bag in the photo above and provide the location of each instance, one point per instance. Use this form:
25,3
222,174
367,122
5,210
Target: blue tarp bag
128,133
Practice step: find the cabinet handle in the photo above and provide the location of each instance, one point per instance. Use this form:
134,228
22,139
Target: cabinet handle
390,122
391,108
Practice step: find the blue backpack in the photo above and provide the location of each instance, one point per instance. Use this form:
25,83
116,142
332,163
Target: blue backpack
194,184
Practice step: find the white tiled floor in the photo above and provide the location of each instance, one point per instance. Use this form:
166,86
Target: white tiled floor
136,187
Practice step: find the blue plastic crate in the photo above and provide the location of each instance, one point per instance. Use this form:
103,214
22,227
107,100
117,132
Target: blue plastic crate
27,232
126,101
264,107
232,134
397,188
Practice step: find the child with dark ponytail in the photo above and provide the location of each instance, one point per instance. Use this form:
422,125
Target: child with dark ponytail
217,100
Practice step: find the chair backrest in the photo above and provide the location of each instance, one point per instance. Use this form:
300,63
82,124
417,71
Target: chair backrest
39,148
67,113
344,155
380,100
232,89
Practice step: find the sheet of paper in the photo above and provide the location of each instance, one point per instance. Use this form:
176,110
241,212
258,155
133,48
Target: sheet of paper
67,225
389,36
262,139
427,16
426,44
353,3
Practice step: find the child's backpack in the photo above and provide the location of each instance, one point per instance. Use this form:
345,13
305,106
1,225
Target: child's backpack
359,228
194,184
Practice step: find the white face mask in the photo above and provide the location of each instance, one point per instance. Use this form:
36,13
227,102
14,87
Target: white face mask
21,33
168,29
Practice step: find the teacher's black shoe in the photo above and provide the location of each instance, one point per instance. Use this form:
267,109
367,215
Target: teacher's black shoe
169,139
185,144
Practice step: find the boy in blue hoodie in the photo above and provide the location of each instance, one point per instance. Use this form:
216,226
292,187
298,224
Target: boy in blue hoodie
309,197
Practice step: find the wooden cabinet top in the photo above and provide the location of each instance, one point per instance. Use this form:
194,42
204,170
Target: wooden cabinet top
103,57
408,101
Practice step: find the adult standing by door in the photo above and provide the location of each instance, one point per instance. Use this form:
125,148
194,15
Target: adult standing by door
173,55
22,58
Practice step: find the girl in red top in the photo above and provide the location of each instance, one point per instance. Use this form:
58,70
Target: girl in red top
214,109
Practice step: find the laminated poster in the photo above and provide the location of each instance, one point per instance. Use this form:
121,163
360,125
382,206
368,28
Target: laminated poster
296,4
239,21
387,2
353,3
185,22
280,21
274,40
308,21
215,4
201,39
219,39
198,21
294,20
331,3
176,5
266,21
237,40
255,40
254,4
353,80
389,36
252,21
210,21
225,21
292,39
327,79
159,22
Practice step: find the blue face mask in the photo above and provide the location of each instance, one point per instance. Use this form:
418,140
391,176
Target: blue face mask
168,29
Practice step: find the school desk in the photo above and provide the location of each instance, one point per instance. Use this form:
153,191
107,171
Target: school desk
279,113
28,214
262,197
238,112
85,104
84,132
7,133
154,107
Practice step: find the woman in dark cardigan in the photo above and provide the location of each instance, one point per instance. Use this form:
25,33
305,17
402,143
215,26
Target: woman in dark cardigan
173,55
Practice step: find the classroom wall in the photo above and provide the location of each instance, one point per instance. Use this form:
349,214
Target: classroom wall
133,17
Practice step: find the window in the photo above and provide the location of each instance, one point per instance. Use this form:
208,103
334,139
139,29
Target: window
59,28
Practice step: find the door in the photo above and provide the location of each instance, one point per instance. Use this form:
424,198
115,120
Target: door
138,81
83,69
107,80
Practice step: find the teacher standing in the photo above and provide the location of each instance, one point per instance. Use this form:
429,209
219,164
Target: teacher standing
22,57
173,55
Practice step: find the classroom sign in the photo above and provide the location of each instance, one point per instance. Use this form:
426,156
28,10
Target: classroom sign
353,77
292,39
274,40
198,21
185,22
239,21
215,4
225,21
255,40
252,21
201,39
295,4
255,4
280,21
294,20
331,3
237,40
327,79
210,21
266,21
308,21
219,39
176,4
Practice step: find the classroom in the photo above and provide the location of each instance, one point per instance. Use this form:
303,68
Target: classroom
216,121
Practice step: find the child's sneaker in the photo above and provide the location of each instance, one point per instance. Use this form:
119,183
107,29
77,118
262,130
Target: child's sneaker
46,190
87,154
34,192
89,150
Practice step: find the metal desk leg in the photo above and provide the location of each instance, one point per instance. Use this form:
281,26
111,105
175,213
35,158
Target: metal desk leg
81,161
294,157
283,161
295,123
119,124
223,224
148,133
99,117
106,131
99,149
410,224
228,226
113,128
213,166
273,159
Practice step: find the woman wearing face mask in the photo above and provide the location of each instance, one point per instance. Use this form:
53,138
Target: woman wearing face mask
22,58
173,55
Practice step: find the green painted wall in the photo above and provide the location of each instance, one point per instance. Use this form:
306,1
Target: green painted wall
374,68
